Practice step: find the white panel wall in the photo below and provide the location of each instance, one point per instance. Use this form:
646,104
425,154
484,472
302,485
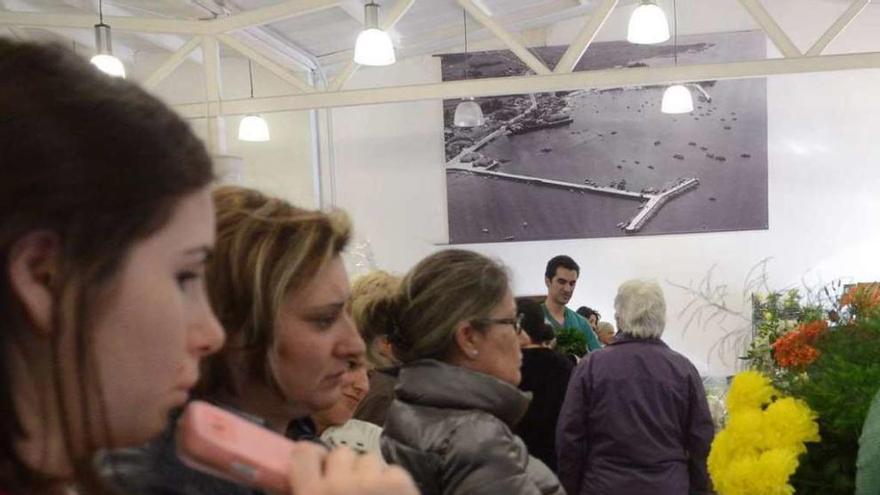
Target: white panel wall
824,167
282,166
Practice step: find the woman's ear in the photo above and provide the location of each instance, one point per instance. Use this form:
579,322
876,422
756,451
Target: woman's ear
33,262
467,340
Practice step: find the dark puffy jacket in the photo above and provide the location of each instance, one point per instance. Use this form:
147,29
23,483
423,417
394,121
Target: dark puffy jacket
451,429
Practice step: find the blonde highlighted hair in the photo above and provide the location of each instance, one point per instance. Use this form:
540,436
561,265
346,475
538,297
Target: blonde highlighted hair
265,250
371,294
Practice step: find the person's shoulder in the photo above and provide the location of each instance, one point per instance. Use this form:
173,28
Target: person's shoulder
680,360
576,317
475,427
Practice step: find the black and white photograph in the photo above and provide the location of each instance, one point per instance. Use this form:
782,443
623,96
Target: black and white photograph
608,162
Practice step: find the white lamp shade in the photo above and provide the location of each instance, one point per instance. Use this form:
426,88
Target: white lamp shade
253,128
647,25
374,47
468,114
677,99
109,64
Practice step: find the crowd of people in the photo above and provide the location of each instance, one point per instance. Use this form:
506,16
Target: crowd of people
132,286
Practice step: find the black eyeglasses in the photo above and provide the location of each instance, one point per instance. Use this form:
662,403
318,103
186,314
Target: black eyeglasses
515,322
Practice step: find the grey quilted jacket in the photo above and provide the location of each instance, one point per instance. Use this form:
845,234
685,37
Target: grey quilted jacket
451,429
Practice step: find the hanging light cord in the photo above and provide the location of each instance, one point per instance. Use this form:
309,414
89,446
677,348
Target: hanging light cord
675,32
251,76
101,11
467,60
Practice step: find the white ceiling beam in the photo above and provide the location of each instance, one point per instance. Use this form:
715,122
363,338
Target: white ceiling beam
515,45
776,34
448,36
595,79
388,21
839,25
118,23
265,62
582,41
286,10
172,63
216,142
266,15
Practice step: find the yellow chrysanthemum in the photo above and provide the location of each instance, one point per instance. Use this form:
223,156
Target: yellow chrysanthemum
746,426
764,474
749,390
788,423
757,452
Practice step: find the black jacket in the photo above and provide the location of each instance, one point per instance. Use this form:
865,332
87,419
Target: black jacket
545,373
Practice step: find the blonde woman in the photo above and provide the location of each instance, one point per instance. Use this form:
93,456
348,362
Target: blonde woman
454,326
279,287
605,332
370,295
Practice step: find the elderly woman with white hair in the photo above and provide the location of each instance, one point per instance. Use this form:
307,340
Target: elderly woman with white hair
635,418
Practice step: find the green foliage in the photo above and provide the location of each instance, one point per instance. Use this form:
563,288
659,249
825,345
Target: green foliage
839,386
571,341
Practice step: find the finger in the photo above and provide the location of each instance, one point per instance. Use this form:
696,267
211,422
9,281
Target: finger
306,463
400,482
339,462
368,463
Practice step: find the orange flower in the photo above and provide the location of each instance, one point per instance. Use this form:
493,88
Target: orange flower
862,297
795,349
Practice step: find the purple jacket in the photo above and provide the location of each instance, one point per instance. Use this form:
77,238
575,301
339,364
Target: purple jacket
635,420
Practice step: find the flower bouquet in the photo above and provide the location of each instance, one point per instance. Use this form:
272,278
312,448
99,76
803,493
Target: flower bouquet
823,361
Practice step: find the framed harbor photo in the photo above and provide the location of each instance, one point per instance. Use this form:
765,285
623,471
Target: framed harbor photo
608,162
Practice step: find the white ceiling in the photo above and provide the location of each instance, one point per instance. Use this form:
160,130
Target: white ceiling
326,36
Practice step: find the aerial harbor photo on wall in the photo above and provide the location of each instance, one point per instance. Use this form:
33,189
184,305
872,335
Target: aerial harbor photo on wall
608,162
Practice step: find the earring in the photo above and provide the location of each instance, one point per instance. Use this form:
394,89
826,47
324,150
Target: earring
474,353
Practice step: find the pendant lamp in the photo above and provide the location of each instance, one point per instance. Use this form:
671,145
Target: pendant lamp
253,127
373,45
104,59
677,98
647,24
468,112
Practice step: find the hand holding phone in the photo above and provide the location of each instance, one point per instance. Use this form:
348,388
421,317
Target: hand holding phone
227,446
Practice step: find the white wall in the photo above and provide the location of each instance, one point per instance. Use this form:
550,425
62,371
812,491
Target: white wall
281,167
824,163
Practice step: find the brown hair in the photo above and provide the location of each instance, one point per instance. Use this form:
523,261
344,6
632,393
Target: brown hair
101,164
442,290
371,294
265,250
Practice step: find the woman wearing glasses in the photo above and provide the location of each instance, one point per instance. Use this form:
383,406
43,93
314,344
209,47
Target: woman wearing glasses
454,326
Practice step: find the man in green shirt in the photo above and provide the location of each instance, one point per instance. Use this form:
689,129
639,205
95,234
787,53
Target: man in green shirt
560,277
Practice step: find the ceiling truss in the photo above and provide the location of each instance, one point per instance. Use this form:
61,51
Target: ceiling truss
208,33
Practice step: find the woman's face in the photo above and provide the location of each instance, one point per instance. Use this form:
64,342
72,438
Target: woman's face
156,324
356,384
315,340
497,345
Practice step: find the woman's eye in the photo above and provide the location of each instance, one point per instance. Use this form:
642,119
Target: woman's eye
184,279
327,321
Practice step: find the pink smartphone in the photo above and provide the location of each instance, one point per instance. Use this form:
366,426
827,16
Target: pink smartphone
225,445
